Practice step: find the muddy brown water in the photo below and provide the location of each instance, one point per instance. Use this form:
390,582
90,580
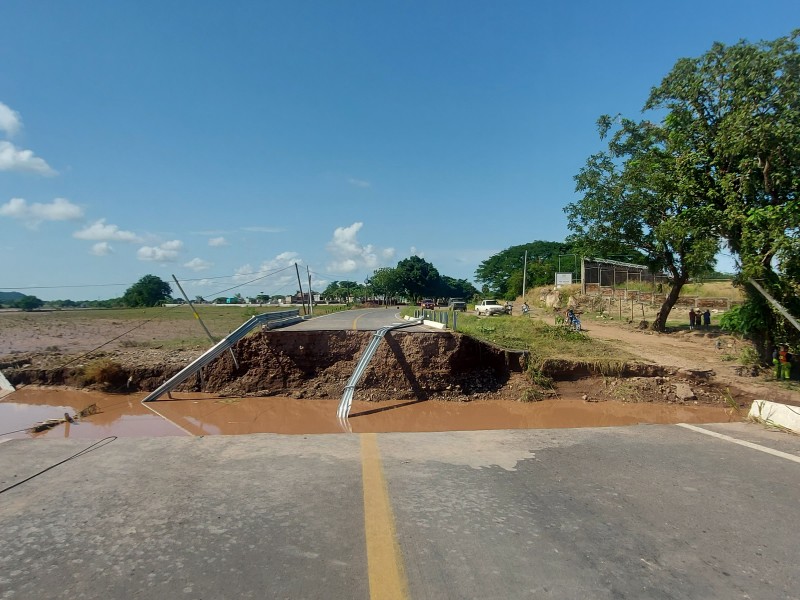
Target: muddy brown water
208,414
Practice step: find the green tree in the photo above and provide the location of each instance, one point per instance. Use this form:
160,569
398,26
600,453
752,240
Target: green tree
385,282
418,278
457,288
735,111
501,273
342,291
148,291
636,195
29,303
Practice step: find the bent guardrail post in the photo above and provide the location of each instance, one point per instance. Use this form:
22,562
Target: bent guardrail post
219,348
343,411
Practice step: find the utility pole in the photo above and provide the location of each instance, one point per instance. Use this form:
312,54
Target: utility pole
197,316
310,299
524,274
300,285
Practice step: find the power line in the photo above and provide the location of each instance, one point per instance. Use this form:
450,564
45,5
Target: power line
94,285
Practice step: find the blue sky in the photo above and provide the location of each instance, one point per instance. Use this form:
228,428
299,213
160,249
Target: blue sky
223,141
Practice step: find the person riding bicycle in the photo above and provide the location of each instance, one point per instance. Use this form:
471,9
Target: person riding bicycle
572,320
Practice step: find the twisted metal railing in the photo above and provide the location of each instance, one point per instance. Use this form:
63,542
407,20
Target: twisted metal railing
286,317
343,411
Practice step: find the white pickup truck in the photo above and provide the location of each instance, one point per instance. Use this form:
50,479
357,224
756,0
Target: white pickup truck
489,308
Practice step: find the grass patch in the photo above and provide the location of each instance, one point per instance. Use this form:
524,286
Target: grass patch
544,342
626,392
105,373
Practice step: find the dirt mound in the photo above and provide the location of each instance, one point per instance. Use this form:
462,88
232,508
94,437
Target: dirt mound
405,365
440,365
313,365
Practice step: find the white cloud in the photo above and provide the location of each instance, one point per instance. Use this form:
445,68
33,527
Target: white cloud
347,265
166,252
60,209
359,183
349,254
281,261
172,245
102,249
16,159
217,242
10,121
198,264
277,274
415,252
100,231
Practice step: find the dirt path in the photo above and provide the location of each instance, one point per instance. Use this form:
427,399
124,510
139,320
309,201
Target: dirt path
689,350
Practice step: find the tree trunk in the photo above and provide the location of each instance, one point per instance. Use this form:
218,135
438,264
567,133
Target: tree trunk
660,324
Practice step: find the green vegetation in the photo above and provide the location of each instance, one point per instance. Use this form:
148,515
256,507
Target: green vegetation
413,278
718,164
501,274
105,373
544,342
28,303
148,291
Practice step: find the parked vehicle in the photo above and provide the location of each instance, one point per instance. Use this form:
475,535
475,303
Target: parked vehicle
489,308
427,303
457,304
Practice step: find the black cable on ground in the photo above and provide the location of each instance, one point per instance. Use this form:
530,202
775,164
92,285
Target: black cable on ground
17,431
95,446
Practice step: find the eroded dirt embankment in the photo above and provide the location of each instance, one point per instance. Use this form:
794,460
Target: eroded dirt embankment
307,364
406,365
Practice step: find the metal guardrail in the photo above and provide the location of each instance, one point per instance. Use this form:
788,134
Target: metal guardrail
447,317
343,412
286,317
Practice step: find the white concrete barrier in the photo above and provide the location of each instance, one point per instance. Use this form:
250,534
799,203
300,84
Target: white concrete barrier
773,413
5,387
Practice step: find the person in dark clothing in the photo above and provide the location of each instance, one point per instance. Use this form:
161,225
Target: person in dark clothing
707,319
691,318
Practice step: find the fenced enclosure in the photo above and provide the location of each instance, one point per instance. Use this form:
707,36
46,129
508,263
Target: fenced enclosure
605,276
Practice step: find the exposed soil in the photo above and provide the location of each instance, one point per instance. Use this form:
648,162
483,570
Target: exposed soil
679,368
708,355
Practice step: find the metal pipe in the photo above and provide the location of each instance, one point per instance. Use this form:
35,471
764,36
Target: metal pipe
197,316
776,304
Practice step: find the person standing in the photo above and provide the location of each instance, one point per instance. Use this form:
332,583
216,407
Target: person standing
691,318
785,359
707,319
776,362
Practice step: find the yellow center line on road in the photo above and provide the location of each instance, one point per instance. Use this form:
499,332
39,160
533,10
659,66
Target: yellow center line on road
387,577
355,321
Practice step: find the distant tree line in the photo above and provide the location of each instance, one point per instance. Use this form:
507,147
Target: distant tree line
412,279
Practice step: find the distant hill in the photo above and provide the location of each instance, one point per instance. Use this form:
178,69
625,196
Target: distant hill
8,297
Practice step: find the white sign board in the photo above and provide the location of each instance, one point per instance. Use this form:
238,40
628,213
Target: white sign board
563,279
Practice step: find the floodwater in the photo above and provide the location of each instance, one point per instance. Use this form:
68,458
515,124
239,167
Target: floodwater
207,414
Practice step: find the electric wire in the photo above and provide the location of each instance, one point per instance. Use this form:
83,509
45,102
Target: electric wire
15,431
143,323
98,444
93,285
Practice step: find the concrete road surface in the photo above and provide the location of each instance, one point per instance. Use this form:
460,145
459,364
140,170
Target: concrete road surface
634,512
362,319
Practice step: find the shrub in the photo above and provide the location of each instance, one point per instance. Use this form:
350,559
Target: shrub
106,374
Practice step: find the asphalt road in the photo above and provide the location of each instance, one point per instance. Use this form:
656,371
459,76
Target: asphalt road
363,319
634,512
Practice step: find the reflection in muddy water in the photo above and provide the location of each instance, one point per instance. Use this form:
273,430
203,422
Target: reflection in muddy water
206,414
